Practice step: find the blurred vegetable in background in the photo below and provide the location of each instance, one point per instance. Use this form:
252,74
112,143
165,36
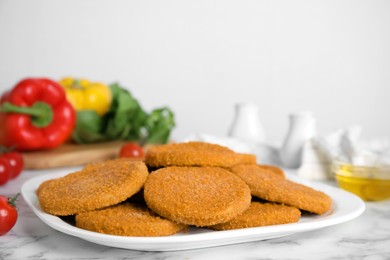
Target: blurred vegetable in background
125,120
158,125
86,95
35,115
5,171
11,164
132,150
42,114
15,160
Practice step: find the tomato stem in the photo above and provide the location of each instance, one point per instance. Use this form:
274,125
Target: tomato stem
5,149
12,201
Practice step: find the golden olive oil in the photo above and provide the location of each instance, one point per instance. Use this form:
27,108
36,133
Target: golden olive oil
367,189
369,183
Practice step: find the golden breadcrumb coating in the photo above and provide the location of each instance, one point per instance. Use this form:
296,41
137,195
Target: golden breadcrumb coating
273,168
96,186
195,154
127,219
262,214
199,196
271,187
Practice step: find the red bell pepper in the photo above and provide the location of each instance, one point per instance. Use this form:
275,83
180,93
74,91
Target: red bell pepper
35,115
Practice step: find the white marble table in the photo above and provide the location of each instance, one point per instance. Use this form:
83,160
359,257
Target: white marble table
366,237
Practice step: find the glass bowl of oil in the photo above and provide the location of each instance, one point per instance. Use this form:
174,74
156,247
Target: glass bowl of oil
369,183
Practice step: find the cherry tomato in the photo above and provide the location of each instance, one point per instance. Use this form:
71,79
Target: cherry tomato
5,171
8,214
132,150
15,161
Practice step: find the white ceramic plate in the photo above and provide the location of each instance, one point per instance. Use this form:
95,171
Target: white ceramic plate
346,206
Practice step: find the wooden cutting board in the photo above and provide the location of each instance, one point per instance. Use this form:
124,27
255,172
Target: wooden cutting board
71,155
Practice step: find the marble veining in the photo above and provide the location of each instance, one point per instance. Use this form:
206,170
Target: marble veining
366,237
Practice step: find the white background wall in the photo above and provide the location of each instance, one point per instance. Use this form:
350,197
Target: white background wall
201,57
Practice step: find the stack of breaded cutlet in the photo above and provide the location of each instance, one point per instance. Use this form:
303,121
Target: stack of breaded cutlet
180,185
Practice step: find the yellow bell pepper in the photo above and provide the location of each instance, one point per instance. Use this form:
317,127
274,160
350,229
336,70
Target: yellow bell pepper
86,95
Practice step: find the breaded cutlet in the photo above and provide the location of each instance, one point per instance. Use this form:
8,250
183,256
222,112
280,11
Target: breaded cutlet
127,219
262,214
195,154
200,196
269,186
94,187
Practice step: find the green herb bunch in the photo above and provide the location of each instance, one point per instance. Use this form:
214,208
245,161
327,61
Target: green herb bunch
126,120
